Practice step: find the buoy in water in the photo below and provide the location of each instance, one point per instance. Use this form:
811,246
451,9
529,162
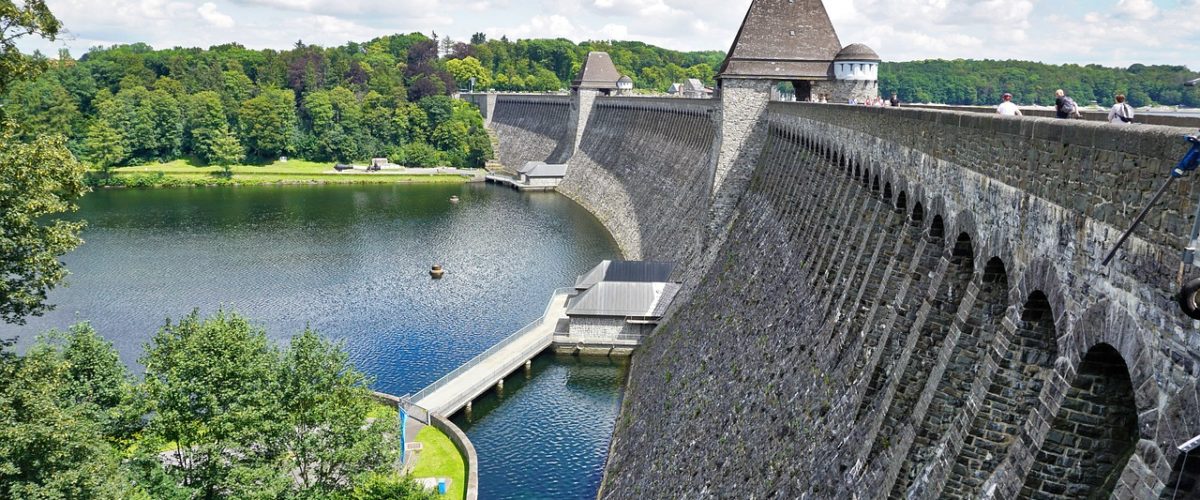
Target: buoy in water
454,199
437,272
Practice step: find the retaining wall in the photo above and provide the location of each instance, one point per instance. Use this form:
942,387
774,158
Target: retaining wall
530,127
642,163
456,435
910,305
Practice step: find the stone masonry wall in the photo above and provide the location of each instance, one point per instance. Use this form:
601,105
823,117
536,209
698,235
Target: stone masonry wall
640,164
909,304
898,303
530,127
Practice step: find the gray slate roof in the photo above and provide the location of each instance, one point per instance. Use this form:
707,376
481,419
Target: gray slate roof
782,40
598,72
622,299
543,169
857,52
626,271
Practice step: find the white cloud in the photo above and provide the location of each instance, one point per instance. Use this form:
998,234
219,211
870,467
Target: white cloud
1138,9
1111,32
209,12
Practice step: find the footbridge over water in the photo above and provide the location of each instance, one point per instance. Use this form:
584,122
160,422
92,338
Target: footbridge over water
460,387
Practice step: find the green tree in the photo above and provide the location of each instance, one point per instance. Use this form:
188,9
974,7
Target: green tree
324,401
38,181
32,18
420,155
98,382
268,123
206,121
43,106
215,396
226,150
168,122
51,447
105,145
463,70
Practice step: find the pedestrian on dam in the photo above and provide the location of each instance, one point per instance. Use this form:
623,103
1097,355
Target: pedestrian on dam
1065,107
1007,108
895,101
1121,113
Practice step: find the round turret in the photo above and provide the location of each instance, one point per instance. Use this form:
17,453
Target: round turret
857,62
857,52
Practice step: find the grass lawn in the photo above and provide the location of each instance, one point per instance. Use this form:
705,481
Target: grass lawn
439,458
294,171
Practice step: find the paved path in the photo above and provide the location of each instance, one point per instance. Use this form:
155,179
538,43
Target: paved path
462,386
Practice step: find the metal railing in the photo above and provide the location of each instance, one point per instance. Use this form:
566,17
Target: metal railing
442,382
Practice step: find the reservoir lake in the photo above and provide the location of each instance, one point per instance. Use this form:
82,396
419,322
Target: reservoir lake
352,262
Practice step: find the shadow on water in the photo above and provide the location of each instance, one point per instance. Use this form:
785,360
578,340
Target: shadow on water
546,434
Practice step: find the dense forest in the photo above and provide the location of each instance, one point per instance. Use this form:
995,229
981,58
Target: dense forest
131,104
966,82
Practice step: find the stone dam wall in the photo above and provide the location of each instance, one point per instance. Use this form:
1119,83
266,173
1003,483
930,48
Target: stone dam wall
640,164
530,128
908,304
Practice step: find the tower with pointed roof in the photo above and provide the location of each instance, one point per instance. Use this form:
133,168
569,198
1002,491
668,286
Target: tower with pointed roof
779,41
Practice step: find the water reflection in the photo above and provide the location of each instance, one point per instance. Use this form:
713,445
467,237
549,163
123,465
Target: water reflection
546,434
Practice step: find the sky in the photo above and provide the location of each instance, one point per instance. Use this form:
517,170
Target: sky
1107,32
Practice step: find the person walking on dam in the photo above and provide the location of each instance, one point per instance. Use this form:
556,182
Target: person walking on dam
895,101
1007,108
1065,107
1122,112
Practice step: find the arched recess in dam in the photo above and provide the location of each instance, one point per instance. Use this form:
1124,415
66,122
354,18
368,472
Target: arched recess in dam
1029,350
908,357
945,422
1093,435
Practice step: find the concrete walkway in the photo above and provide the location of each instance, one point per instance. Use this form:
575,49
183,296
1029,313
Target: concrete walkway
453,392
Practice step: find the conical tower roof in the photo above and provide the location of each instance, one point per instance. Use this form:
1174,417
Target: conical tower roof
597,72
783,40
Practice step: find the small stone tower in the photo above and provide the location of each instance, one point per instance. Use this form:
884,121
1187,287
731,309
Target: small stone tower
779,41
856,68
598,76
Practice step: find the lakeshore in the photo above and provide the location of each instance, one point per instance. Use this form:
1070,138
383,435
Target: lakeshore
184,173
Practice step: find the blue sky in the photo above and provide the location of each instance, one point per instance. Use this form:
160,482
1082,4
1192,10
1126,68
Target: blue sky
1109,32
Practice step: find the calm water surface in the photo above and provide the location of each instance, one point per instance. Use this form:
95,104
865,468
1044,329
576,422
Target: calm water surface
568,406
352,262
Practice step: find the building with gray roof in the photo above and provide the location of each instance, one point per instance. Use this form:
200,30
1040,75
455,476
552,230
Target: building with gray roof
597,73
794,41
636,271
617,303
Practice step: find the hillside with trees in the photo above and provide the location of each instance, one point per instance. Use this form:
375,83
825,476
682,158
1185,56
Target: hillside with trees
969,82
132,104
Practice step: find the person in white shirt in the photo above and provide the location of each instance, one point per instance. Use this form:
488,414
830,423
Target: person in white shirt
1007,108
1122,112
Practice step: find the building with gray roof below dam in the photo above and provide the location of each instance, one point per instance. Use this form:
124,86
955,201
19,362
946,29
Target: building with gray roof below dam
617,303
